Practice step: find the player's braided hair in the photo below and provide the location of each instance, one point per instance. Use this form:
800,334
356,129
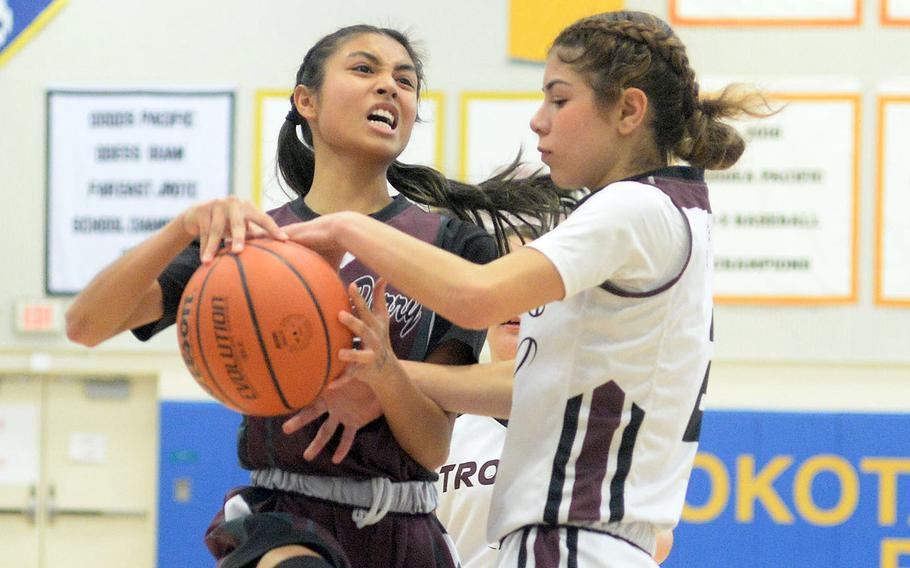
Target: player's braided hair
504,200
616,50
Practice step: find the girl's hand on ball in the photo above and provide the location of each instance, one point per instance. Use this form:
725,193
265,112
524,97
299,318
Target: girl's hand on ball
319,235
231,219
349,403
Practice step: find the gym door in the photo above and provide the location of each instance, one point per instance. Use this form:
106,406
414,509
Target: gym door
78,471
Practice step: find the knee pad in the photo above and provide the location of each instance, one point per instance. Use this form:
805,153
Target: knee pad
259,533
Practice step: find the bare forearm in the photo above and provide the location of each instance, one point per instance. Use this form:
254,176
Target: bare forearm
454,288
483,389
473,296
109,303
421,427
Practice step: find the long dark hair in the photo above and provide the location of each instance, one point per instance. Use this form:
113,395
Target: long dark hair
505,200
616,50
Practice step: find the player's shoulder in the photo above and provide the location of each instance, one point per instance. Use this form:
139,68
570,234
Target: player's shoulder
632,192
627,201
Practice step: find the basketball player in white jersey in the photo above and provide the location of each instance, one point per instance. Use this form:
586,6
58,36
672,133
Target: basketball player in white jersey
465,483
616,340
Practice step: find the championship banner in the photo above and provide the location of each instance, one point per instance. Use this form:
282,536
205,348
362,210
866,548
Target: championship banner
768,13
785,216
895,12
121,164
892,274
534,24
425,147
20,20
494,128
776,489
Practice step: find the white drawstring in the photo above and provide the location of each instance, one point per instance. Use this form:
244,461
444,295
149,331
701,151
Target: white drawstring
382,501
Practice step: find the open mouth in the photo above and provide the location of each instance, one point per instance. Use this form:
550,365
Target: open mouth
383,117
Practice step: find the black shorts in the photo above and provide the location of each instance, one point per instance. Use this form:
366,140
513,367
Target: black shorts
397,541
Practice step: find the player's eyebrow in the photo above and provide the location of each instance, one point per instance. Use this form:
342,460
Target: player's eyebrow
375,60
555,82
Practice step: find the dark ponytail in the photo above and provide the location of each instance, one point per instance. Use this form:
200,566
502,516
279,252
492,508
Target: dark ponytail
295,162
502,202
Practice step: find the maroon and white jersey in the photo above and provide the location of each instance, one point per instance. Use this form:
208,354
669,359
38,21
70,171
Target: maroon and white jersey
605,409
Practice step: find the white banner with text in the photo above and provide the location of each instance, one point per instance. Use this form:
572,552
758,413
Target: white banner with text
785,215
121,164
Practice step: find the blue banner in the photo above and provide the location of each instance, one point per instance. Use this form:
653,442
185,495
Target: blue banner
198,465
786,489
768,490
20,20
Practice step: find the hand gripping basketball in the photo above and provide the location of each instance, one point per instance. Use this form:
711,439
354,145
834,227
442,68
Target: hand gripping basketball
349,401
231,219
259,330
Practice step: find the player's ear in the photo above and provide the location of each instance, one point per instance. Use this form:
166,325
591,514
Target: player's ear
633,106
305,101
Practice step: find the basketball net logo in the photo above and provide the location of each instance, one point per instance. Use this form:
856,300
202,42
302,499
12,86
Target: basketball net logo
403,310
537,312
526,353
6,22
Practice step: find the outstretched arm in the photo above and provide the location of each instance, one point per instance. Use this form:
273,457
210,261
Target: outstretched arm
470,295
126,294
484,389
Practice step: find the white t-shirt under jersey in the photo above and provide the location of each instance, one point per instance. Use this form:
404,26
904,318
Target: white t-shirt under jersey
465,487
608,379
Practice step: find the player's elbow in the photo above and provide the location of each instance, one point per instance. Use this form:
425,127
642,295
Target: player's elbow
79,329
472,306
435,457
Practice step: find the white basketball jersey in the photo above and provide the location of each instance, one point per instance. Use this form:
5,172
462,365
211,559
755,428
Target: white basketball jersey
605,409
465,487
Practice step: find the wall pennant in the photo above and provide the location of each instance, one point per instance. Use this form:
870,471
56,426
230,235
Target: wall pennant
20,20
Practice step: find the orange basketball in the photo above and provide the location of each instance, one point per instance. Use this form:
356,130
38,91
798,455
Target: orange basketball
259,330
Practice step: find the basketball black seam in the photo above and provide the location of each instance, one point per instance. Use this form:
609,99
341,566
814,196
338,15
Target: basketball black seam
205,361
262,347
325,327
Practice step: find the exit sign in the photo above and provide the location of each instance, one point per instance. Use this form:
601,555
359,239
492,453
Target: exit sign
38,316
